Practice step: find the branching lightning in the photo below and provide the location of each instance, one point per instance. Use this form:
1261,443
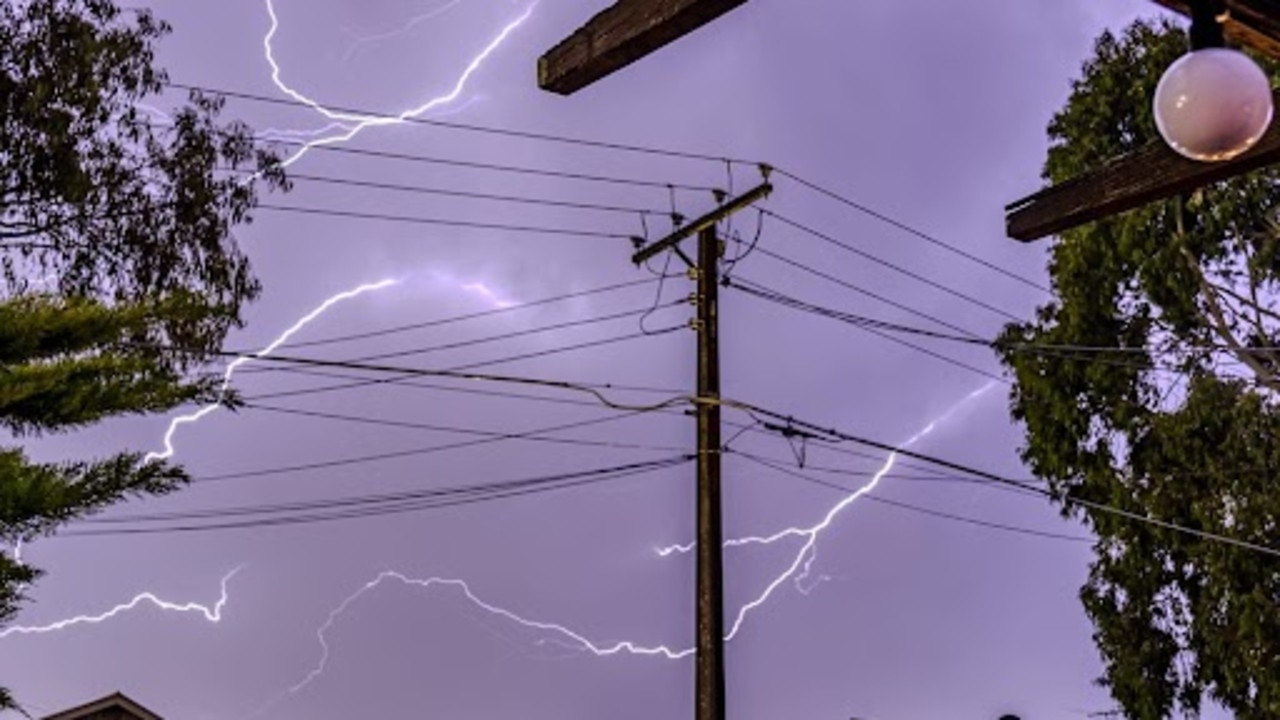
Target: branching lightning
799,571
341,127
239,362
554,631
360,41
212,614
345,125
492,297
801,567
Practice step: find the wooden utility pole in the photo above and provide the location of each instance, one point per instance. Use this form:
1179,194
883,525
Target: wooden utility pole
709,683
621,34
1250,23
1154,172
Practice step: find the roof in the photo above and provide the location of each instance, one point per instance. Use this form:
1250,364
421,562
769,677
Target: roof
115,701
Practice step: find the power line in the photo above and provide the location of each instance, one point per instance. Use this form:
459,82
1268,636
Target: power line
443,222
930,512
998,479
487,439
490,338
863,291
1083,353
469,127
847,247
367,506
471,195
866,325
413,425
930,476
490,167
753,428
765,293
460,373
361,381
909,229
472,316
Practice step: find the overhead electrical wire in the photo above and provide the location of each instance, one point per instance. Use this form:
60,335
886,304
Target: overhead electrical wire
506,309
471,127
359,381
413,383
763,292
1069,352
465,372
999,479
470,195
871,327
870,257
766,252
291,364
638,149
360,507
450,429
932,476
347,149
418,451
929,512
603,145
472,342
441,222
910,230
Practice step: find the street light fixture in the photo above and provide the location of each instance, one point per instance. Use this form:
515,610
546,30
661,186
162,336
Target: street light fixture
1214,103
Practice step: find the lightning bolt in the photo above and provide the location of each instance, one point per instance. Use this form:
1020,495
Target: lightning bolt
483,291
236,364
798,570
346,125
362,40
296,135
343,127
553,631
211,614
801,567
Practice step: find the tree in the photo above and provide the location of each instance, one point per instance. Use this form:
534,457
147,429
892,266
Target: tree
129,218
102,196
1149,384
65,364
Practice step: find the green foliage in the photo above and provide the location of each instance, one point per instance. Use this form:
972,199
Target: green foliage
130,219
1177,421
95,191
65,364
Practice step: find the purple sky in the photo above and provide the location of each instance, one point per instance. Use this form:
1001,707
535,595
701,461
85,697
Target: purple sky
932,112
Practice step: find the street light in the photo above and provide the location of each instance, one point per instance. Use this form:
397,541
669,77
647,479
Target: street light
1214,103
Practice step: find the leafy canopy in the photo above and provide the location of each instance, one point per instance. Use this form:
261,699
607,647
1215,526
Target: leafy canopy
1149,384
128,217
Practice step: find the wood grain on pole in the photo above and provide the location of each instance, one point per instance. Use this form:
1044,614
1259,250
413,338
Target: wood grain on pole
1153,173
620,35
1252,23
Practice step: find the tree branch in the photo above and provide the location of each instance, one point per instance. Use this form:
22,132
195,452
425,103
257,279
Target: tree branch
1220,325
1252,303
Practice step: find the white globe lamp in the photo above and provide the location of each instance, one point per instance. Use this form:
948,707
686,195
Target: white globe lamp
1213,104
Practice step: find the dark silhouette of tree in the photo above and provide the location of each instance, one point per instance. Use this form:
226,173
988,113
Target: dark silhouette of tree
1169,410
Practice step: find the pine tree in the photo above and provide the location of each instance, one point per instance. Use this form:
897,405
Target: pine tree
129,219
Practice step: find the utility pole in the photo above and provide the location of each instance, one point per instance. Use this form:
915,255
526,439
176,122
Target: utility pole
709,682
